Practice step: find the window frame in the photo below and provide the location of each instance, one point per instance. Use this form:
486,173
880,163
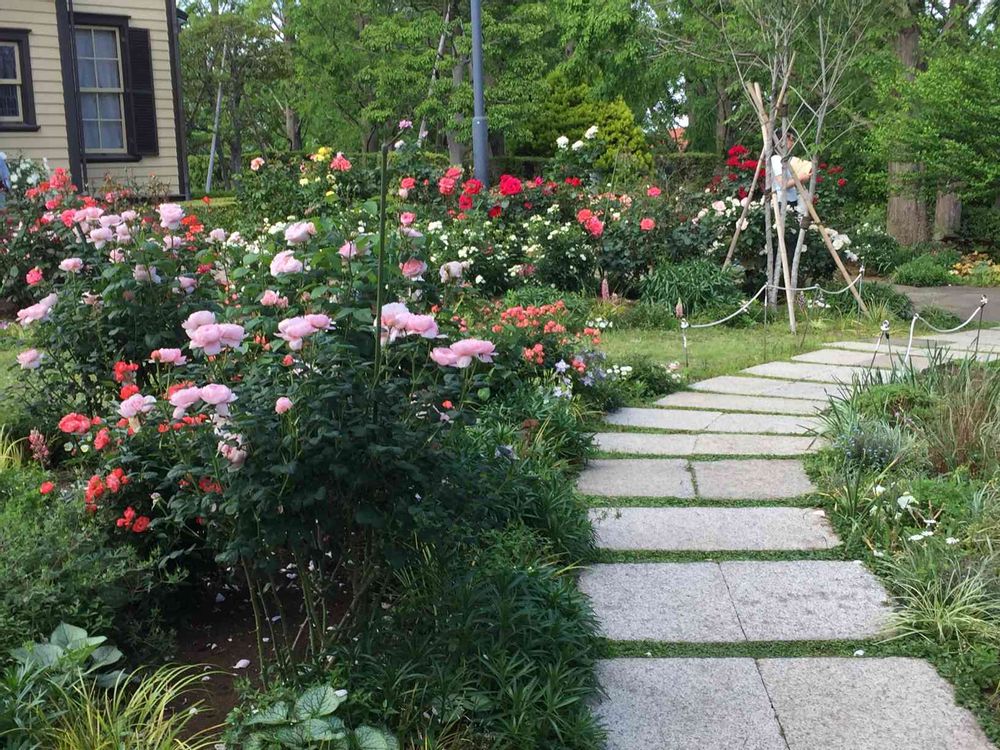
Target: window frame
121,91
18,39
121,25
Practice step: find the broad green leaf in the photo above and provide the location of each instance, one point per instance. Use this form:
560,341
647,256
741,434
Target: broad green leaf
321,700
66,634
369,738
276,714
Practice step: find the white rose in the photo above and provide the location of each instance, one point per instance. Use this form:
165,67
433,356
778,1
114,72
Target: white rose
562,141
577,145
591,133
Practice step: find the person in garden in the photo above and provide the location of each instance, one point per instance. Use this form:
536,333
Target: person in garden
784,169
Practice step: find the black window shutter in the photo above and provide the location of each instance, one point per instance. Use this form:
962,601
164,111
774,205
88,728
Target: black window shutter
141,91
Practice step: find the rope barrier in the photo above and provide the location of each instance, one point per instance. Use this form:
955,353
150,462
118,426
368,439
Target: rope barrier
978,311
827,292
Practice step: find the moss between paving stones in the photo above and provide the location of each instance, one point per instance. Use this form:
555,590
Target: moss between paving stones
682,556
598,426
701,456
602,501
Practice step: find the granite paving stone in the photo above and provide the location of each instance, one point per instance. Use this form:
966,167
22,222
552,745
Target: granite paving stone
704,444
805,600
862,359
749,386
804,371
637,477
709,529
686,704
893,703
751,479
692,420
662,601
755,404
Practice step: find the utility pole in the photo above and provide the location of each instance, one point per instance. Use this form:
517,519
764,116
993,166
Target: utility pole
480,131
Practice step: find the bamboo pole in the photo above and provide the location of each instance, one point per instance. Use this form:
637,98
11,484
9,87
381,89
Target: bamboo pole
746,210
826,241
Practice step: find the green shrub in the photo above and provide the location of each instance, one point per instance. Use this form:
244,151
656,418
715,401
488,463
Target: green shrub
876,295
939,317
879,250
697,284
924,270
57,565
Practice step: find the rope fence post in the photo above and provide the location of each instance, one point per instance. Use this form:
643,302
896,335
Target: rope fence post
684,342
883,334
983,302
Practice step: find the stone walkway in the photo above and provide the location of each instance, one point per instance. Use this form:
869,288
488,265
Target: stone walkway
684,490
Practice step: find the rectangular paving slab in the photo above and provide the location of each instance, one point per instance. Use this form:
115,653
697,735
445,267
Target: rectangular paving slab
704,444
704,602
692,420
893,703
638,477
861,359
686,704
749,386
751,479
803,371
662,601
806,600
757,404
709,529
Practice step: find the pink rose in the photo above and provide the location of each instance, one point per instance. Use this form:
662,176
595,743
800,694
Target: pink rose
235,455
71,265
653,191
184,399
170,215
319,321
187,284
271,298
647,225
30,359
446,185
282,405
348,250
406,218
296,330
144,274
38,311
198,319
100,237
256,163
123,233
451,270
444,356
413,269
135,405
395,315
168,356
285,262
219,396
467,349
34,276
116,256
110,220
299,232
129,215
170,242
423,325
215,337
339,163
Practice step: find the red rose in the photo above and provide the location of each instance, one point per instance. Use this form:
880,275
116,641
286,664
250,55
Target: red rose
140,524
841,182
127,390
573,181
46,488
510,185
472,186
494,212
75,424
583,215
102,439
408,183
465,201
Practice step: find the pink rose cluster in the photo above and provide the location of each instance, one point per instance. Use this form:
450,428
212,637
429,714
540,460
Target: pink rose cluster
168,357
100,227
135,405
340,163
209,336
214,394
271,298
413,269
30,359
296,330
398,321
462,353
170,216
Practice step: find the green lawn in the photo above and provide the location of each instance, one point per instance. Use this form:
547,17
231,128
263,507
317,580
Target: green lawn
723,351
10,376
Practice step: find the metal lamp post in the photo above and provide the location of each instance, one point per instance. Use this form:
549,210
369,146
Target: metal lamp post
479,128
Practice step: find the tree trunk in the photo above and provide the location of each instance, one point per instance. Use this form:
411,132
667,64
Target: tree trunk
906,214
947,215
906,218
456,149
722,109
293,129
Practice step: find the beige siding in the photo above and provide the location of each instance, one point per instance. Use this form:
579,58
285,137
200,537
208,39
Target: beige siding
50,140
152,15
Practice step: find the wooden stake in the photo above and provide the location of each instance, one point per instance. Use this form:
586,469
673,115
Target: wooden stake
743,214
